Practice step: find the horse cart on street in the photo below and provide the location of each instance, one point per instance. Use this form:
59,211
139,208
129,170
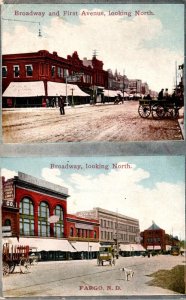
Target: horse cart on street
106,254
160,109
15,256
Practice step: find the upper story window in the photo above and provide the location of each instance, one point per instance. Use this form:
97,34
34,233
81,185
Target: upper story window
26,220
66,73
29,70
53,69
60,72
4,71
16,71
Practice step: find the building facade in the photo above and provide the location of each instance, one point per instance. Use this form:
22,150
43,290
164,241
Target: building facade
82,229
43,66
114,227
155,238
29,203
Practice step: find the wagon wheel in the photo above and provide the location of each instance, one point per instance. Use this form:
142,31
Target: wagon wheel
11,267
175,113
158,111
6,270
144,111
24,265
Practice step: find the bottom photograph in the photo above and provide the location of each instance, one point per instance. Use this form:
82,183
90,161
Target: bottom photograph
93,226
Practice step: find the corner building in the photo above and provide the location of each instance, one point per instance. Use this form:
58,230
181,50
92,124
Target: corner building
31,204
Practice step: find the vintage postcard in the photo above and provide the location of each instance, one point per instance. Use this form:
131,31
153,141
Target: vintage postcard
92,72
93,226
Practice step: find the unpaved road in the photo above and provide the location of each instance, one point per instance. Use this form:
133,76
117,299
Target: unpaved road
85,278
117,123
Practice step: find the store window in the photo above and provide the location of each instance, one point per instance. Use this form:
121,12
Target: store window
43,224
26,223
29,70
16,71
4,71
59,226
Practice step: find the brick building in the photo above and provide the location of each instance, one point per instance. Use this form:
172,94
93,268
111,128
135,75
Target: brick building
44,67
155,238
28,203
36,213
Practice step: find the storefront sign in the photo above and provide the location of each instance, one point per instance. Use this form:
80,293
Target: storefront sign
8,193
84,226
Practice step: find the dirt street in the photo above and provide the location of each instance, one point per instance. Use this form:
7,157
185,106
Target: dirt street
117,123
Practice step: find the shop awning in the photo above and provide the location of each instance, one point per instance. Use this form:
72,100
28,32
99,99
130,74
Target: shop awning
42,244
25,89
110,93
132,247
58,88
85,246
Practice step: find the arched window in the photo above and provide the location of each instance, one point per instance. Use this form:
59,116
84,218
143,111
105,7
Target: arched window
7,222
43,224
26,220
59,226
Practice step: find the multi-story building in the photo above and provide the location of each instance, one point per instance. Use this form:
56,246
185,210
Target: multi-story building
135,86
82,229
114,227
35,213
28,204
155,238
44,67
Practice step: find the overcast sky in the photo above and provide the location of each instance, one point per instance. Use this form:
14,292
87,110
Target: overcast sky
143,47
152,189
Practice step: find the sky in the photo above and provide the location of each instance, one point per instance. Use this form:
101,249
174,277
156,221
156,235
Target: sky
147,46
149,188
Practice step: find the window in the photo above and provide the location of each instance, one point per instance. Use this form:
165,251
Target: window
71,231
29,70
95,235
66,72
59,72
26,222
4,71
7,222
59,226
43,224
16,71
53,71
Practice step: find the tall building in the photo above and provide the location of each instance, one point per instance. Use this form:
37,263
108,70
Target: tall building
114,227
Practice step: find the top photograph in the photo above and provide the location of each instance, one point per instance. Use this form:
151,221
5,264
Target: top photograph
92,73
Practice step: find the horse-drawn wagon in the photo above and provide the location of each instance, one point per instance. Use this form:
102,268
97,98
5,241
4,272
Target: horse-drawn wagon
15,256
160,109
106,254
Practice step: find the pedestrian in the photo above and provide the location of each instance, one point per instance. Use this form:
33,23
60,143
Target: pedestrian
166,94
148,97
61,103
160,95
